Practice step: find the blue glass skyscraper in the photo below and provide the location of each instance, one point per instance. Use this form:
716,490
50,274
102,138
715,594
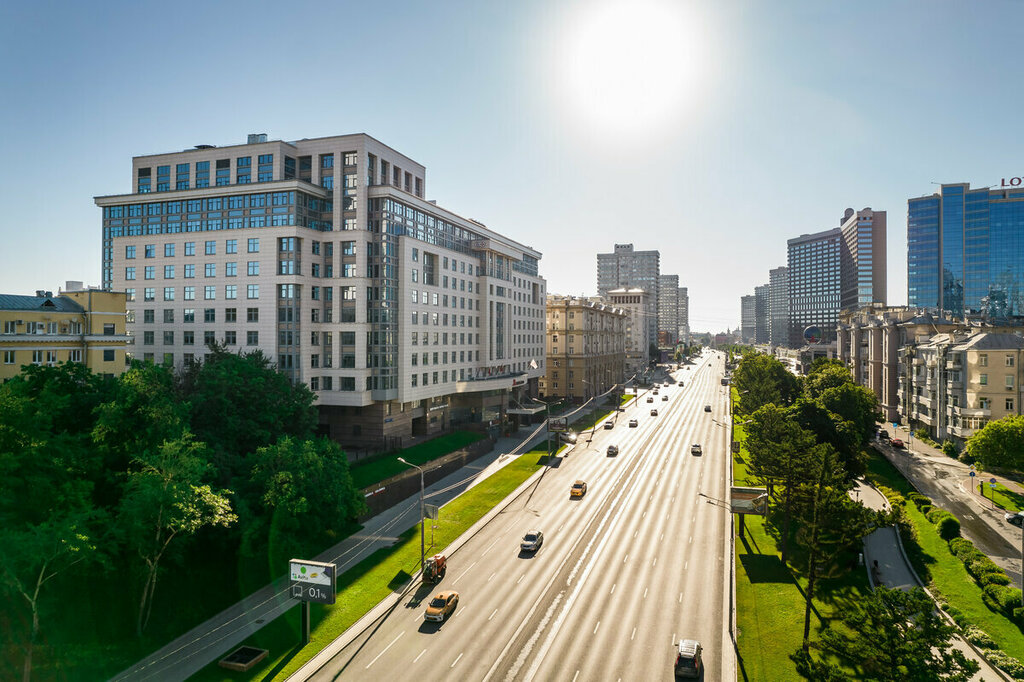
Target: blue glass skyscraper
965,251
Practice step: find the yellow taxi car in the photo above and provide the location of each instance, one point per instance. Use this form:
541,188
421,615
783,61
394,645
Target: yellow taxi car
579,489
441,606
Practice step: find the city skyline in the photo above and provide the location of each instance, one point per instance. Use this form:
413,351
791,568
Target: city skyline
780,118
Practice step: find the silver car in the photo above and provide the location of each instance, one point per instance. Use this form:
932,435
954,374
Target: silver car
532,541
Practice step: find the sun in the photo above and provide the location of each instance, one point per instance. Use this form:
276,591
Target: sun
630,66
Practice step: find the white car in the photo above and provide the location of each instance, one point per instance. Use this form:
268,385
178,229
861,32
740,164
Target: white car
695,449
532,541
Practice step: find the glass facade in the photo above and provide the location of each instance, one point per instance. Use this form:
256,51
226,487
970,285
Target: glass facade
976,236
814,284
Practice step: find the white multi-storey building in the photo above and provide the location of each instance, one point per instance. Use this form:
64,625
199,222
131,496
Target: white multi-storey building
636,304
403,317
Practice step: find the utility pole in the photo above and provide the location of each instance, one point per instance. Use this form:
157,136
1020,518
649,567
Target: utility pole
422,517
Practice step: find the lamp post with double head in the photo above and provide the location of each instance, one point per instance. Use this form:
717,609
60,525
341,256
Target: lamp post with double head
422,517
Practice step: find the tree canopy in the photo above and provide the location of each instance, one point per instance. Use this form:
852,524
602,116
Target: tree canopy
761,379
999,443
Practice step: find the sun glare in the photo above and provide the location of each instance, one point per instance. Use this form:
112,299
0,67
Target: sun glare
629,66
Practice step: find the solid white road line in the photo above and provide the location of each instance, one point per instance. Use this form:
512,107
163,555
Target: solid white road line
467,571
420,656
596,627
632,635
385,649
456,660
613,588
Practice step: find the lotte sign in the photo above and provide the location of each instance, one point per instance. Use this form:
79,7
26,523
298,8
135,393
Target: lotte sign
1012,182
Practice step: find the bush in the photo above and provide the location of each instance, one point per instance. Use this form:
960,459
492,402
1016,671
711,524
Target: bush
999,578
1005,598
966,457
949,449
978,637
957,544
949,528
978,566
1005,662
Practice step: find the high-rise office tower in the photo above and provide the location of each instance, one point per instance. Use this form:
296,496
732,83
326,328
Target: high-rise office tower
862,257
684,314
814,284
668,309
626,268
401,316
761,295
748,318
964,250
778,306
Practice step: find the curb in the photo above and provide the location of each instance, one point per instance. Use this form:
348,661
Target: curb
321,658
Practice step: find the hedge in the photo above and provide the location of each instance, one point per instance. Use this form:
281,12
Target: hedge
1005,662
949,525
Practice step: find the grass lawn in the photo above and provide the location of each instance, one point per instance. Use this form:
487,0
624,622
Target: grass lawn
1005,498
366,584
946,575
387,466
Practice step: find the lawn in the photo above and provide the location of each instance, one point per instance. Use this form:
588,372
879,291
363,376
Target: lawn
1004,498
946,575
373,579
387,466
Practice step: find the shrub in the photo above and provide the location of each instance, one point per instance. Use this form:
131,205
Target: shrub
925,508
1005,662
949,527
980,565
935,515
956,544
993,578
949,449
1006,599
978,637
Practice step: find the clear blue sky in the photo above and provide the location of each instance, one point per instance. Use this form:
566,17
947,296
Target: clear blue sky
710,131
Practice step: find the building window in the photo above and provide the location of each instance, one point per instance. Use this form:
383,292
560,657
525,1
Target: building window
1009,381
252,338
1009,361
254,245
168,315
210,293
147,338
108,355
129,273
188,338
252,314
231,314
231,269
190,248
8,357
230,291
168,338
190,293
230,338
168,272
209,338
189,315
209,314
983,379
252,291
231,246
1009,404
983,360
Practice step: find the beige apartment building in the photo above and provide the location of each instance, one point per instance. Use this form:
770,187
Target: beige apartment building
586,347
77,325
636,303
404,318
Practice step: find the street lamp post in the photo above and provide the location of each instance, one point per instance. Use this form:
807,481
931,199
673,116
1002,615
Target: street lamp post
422,517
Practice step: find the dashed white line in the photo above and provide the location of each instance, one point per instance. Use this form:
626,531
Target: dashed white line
420,656
645,593
644,516
662,537
596,627
489,547
632,635
575,676
456,660
636,532
686,565
613,588
655,562
385,649
680,601
520,578
492,575
691,539
464,572
624,558
492,614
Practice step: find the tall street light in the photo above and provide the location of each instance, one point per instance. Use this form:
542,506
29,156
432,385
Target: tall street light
422,517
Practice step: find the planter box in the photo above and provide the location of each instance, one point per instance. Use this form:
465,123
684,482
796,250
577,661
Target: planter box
243,658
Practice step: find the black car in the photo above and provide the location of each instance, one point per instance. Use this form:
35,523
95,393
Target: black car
707,408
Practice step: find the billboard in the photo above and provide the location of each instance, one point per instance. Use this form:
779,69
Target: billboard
311,580
558,424
749,500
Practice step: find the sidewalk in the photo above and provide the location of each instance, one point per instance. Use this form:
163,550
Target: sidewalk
221,634
887,565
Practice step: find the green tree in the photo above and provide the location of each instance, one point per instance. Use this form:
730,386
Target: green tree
832,523
31,554
898,636
780,455
240,402
829,427
999,443
761,379
165,498
305,498
854,404
825,373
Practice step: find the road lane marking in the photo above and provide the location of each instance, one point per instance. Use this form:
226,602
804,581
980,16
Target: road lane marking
418,657
624,558
632,635
385,649
686,565
596,627
691,539
680,601
467,570
613,588
492,575
575,676
636,532
492,614
655,562
489,547
644,516
520,578
662,537
456,660
645,593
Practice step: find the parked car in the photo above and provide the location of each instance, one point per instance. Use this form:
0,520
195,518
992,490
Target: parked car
688,659
609,424
613,450
695,449
633,423
441,606
532,541
1016,519
896,443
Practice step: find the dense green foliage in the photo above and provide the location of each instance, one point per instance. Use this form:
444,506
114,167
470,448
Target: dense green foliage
999,443
126,477
761,379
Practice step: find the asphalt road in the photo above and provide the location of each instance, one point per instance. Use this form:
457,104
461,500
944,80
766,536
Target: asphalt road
636,564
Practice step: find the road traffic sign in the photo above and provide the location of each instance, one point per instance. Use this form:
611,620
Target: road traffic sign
972,474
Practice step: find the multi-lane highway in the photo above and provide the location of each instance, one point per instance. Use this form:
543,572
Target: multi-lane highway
638,563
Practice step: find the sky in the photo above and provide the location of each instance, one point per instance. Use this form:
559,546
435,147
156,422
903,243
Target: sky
709,131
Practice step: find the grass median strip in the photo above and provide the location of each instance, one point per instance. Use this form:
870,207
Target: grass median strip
385,571
388,466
